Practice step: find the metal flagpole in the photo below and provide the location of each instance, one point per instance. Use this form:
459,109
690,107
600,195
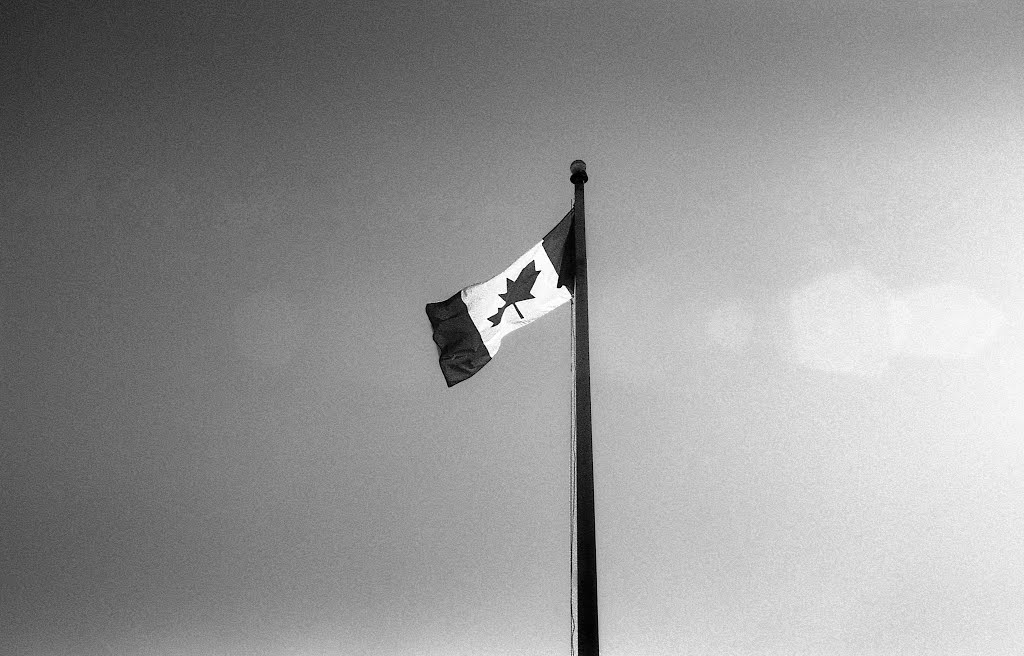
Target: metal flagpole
585,523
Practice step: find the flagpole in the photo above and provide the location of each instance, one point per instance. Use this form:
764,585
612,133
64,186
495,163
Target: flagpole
585,523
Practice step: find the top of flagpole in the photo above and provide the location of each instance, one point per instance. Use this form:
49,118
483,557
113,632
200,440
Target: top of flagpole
578,169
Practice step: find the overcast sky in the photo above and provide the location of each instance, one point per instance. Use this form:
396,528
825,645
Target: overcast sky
224,430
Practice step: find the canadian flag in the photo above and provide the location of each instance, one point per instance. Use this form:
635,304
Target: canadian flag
469,326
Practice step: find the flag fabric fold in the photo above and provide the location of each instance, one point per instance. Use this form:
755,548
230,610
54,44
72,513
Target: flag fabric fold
469,326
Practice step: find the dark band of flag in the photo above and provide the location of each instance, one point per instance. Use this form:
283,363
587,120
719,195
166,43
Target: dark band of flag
462,352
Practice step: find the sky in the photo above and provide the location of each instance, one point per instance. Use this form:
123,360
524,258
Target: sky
224,429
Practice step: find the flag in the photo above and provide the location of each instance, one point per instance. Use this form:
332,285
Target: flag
469,326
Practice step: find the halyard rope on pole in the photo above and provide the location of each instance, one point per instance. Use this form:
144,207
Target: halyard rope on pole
573,589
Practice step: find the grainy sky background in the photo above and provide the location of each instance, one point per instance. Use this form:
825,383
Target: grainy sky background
224,431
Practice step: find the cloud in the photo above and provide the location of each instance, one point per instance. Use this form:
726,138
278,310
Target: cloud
842,322
851,322
945,321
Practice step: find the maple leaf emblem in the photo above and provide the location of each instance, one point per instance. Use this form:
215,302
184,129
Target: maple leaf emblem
517,290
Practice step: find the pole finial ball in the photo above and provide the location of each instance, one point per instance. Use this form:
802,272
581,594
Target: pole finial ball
578,170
